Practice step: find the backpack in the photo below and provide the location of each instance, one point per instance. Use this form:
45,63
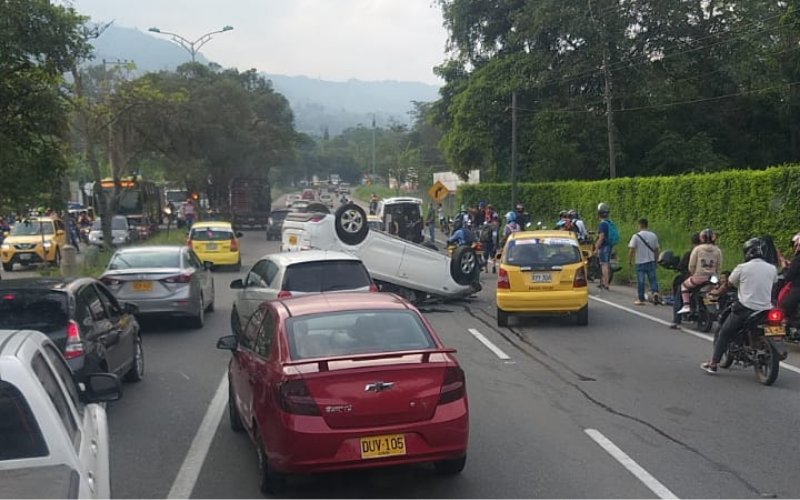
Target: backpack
613,233
486,233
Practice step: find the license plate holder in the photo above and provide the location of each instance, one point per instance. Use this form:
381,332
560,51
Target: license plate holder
541,278
142,286
389,445
24,256
211,246
293,240
774,331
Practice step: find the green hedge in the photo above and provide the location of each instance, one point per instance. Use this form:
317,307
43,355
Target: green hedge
737,204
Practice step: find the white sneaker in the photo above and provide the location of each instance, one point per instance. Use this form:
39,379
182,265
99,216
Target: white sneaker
684,310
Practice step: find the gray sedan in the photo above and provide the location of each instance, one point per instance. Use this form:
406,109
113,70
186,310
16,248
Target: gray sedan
162,280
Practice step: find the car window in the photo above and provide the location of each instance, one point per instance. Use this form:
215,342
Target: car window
270,272
356,332
90,297
65,374
326,276
265,334
29,228
211,234
256,276
20,435
83,315
251,330
56,395
542,252
194,261
110,302
42,310
144,259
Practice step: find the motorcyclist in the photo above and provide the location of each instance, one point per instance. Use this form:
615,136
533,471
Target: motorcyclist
522,217
683,269
754,279
790,299
463,235
704,262
578,226
512,226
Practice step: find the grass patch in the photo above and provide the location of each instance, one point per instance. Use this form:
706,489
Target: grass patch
364,193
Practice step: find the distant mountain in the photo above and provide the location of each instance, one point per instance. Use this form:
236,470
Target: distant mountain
318,104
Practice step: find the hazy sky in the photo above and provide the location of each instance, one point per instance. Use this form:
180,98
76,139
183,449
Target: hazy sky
329,39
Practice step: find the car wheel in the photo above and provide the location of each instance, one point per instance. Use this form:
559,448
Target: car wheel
233,412
136,373
450,467
502,317
270,481
582,317
351,224
199,319
463,265
8,267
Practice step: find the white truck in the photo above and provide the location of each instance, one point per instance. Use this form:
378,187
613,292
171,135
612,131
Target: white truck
411,270
53,431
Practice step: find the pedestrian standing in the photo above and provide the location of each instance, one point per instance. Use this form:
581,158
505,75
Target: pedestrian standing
643,250
189,213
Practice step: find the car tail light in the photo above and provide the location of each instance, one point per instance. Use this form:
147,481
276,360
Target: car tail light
293,396
110,281
478,247
178,278
74,347
580,279
189,242
315,219
234,245
9,296
284,294
502,279
454,385
374,288
775,316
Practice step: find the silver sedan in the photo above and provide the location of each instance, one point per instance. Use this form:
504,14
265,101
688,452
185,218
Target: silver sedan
162,280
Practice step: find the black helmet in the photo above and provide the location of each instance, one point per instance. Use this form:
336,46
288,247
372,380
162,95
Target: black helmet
520,207
695,238
562,214
602,210
668,260
754,248
573,214
707,236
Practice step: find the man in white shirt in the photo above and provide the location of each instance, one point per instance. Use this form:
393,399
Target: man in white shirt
643,247
754,279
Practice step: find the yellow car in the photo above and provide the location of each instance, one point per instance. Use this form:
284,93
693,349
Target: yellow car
542,272
216,242
39,239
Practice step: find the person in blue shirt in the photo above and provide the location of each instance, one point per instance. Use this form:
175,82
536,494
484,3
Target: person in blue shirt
462,235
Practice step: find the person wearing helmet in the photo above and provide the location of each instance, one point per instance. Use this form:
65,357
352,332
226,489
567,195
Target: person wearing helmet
683,270
523,218
512,226
754,279
705,261
578,226
463,235
603,246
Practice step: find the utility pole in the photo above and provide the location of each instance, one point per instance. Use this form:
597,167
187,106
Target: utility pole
373,144
513,150
612,156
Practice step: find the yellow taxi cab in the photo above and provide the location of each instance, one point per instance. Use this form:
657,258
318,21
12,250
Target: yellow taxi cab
216,242
34,240
542,273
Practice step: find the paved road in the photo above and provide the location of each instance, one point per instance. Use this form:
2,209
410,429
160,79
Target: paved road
538,418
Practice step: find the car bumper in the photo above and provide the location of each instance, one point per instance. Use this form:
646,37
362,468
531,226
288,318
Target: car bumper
308,445
25,257
175,305
219,258
542,302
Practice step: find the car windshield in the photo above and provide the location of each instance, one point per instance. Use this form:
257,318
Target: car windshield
117,223
20,436
42,310
356,332
542,252
29,228
211,234
146,259
326,276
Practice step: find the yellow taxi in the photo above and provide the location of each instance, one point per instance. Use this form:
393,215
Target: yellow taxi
542,273
216,242
34,240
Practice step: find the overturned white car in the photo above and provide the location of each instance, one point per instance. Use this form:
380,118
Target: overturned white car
411,270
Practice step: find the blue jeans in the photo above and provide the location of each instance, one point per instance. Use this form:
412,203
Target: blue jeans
647,269
432,231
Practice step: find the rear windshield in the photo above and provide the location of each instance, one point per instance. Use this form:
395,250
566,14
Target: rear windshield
211,234
542,252
20,436
136,260
42,310
326,276
356,332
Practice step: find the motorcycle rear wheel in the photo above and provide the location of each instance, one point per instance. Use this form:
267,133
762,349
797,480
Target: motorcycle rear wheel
767,362
704,321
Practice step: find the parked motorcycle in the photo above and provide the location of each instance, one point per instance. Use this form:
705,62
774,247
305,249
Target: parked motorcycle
704,306
758,344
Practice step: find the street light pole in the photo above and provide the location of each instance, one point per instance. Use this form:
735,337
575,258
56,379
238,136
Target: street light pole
192,47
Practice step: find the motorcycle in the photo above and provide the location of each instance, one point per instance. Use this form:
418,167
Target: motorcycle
476,246
758,344
793,321
704,306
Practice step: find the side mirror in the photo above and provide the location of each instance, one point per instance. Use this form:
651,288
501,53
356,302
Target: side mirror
102,388
228,343
131,308
60,232
237,284
239,234
208,265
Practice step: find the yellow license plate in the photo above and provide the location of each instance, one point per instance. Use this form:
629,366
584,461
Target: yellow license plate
383,446
774,330
142,286
293,240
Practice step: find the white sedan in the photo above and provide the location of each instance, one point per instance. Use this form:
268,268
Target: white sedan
409,269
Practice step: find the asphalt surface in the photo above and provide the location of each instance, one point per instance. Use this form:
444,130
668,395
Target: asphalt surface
684,432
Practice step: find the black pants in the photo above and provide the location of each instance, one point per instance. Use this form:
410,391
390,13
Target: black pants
790,302
730,327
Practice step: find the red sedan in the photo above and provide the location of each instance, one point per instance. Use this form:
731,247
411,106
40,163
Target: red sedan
344,381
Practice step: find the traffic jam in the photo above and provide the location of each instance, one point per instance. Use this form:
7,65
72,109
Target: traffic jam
361,359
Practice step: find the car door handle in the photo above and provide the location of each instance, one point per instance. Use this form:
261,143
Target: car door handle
93,447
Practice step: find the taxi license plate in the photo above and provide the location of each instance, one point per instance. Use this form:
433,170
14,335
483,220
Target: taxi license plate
211,246
293,240
770,331
24,256
541,278
383,446
142,286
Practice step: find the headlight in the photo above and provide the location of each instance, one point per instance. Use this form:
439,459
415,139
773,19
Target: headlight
5,246
47,244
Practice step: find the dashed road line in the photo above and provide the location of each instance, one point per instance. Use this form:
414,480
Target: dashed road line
626,461
704,336
489,345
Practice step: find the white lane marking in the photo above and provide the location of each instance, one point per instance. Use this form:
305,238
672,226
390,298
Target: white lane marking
704,336
483,340
620,456
184,375
196,456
